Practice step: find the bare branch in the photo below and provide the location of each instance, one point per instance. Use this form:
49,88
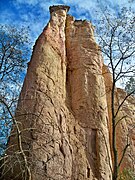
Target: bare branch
19,138
120,106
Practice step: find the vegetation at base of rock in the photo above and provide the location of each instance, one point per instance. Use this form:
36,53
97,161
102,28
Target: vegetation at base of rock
127,174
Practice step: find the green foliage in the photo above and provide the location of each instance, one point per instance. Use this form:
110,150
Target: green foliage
127,174
130,85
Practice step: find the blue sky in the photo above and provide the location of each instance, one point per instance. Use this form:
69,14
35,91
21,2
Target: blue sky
35,13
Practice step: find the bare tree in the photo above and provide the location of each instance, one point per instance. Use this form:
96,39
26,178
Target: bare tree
14,54
116,37
5,159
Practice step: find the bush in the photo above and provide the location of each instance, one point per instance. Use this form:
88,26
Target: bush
127,174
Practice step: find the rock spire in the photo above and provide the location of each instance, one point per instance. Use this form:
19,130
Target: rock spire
63,110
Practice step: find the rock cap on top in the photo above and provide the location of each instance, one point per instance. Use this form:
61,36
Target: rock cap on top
59,7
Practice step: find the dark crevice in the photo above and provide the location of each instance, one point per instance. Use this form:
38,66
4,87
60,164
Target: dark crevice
60,118
62,150
88,172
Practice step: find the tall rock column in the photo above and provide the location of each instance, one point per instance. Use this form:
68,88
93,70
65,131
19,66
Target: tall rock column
41,108
87,96
46,81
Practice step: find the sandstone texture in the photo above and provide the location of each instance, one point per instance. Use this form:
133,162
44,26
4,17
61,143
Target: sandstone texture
125,132
64,109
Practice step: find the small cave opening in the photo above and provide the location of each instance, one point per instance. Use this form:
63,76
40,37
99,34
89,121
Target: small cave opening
60,120
88,172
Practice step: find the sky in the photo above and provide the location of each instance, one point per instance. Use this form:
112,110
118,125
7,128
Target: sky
35,13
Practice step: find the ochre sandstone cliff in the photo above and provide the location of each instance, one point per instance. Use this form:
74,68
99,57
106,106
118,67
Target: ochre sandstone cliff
64,108
126,126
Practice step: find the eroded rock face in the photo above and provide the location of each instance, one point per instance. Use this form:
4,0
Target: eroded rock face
86,94
125,131
63,108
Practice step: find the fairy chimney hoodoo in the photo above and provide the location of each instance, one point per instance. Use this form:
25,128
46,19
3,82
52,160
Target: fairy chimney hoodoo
64,108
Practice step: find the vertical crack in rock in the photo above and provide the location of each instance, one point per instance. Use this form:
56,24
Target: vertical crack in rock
88,172
92,151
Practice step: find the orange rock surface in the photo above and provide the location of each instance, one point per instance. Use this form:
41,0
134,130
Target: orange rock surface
64,108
